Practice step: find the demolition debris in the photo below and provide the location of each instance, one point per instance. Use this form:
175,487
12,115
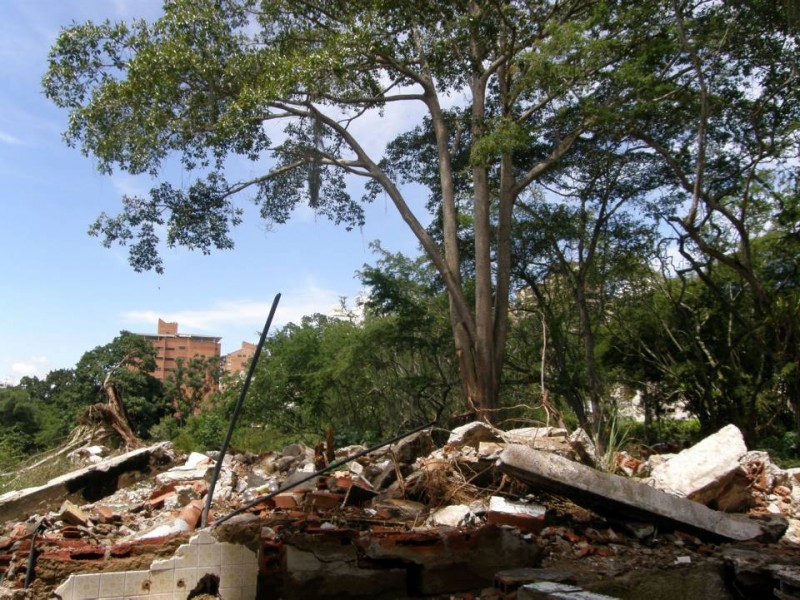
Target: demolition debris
490,514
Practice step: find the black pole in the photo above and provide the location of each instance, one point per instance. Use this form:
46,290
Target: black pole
333,465
236,410
32,556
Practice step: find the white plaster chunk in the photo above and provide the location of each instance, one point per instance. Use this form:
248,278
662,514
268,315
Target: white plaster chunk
196,459
472,434
699,472
502,505
527,435
452,516
490,449
183,474
355,467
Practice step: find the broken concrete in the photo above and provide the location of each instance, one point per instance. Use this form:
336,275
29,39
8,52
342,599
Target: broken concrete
451,521
702,471
455,515
412,447
549,590
325,563
472,434
616,496
584,447
549,439
758,571
90,483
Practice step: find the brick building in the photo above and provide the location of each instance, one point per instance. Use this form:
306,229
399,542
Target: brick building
237,362
171,345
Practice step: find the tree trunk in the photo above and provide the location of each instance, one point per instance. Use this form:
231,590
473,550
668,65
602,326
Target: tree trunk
117,416
485,364
592,378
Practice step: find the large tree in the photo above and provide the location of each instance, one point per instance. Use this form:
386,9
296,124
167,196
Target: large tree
508,88
206,78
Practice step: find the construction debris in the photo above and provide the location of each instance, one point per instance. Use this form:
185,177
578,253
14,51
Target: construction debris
90,483
618,496
491,514
702,472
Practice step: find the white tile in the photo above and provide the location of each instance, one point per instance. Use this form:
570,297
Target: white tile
234,593
112,584
162,582
249,593
186,557
64,591
230,576
249,575
186,579
249,557
202,537
137,583
209,555
86,587
209,571
231,554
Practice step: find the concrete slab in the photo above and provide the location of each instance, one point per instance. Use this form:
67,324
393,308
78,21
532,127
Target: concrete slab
620,497
90,483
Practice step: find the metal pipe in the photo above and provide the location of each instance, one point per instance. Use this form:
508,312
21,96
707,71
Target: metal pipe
32,556
236,410
333,465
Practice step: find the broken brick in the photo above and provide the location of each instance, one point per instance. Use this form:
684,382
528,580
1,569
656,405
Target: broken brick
288,500
325,500
526,517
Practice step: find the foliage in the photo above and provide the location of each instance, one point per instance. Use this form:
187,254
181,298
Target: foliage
595,139
617,439
20,478
125,364
203,432
202,80
190,384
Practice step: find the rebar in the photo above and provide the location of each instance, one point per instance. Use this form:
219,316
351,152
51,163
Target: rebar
236,410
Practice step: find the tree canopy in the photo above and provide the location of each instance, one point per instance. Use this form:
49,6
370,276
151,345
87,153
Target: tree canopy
704,93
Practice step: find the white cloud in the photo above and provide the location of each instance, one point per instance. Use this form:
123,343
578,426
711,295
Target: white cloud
34,366
227,315
7,138
128,185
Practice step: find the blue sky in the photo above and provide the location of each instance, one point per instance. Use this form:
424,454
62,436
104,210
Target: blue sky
64,294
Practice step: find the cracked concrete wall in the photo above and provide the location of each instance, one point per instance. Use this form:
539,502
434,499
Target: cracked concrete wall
174,578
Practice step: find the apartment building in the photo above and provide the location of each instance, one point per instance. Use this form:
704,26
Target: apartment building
171,346
238,361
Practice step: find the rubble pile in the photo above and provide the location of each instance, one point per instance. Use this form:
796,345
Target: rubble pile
490,514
